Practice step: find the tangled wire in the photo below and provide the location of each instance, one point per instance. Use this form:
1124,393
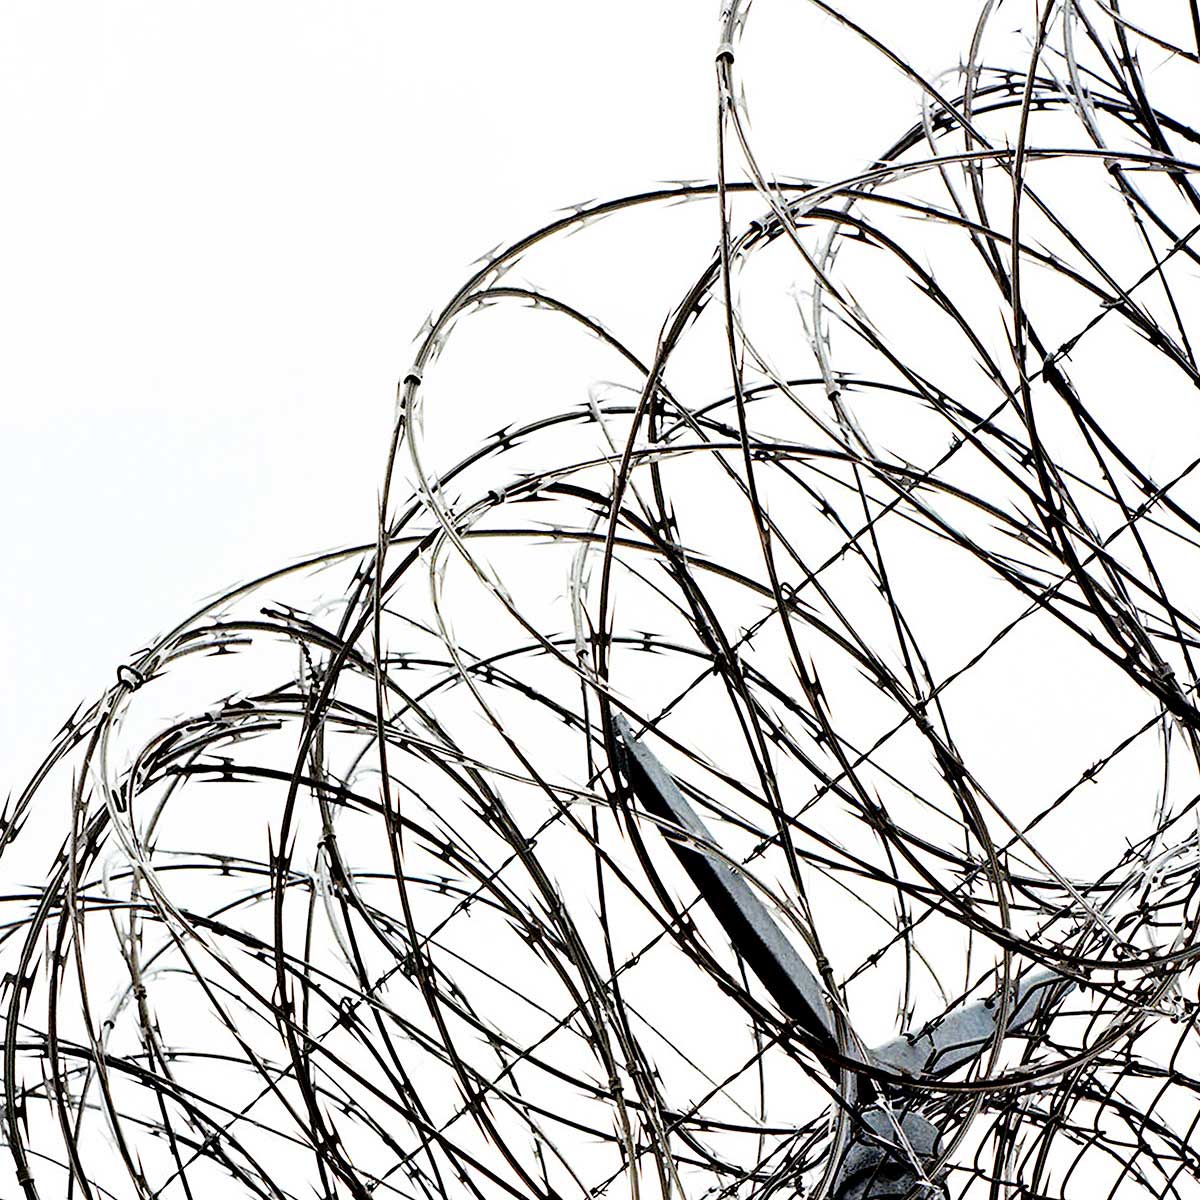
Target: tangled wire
885,542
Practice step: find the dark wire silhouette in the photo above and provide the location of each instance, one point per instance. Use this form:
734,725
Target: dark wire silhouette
652,808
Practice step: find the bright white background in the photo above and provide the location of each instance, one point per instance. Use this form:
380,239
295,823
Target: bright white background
222,224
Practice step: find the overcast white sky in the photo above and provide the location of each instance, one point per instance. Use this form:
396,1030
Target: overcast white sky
222,224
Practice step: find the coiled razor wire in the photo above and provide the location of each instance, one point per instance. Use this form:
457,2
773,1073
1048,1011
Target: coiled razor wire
886,541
